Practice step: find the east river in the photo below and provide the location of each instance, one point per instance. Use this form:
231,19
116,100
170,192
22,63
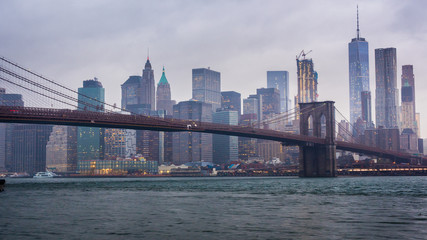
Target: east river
215,208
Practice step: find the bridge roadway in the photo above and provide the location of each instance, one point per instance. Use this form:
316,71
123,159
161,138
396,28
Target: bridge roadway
140,122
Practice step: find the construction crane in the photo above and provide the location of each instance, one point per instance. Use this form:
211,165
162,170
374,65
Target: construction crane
303,54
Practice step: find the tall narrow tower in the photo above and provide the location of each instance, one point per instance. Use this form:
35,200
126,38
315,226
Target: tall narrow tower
358,56
147,86
163,96
307,80
408,98
386,93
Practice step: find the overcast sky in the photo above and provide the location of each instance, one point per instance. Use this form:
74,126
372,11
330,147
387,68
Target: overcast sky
71,41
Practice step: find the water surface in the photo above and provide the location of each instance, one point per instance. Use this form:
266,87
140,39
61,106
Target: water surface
215,208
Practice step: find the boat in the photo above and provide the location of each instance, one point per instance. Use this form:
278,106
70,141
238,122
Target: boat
45,175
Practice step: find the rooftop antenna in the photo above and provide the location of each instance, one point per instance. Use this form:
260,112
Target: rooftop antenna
148,53
358,23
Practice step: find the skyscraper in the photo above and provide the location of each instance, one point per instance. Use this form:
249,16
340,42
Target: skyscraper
366,108
163,96
6,129
270,101
90,141
61,149
147,86
280,81
225,148
386,97
192,146
231,100
358,59
307,81
408,99
207,87
29,148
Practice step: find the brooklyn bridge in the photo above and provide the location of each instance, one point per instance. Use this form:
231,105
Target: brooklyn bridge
317,139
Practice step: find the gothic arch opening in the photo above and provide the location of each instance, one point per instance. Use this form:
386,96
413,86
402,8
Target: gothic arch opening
310,125
323,126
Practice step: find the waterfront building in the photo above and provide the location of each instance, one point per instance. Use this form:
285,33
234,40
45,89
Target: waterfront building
269,150
90,141
137,165
61,149
163,96
307,81
408,120
29,148
115,143
206,86
358,55
225,148
270,101
192,146
231,100
280,81
6,129
386,94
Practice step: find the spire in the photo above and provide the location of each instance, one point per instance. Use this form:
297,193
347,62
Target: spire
163,80
358,31
148,64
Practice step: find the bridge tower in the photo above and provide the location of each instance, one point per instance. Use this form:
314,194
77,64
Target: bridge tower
317,119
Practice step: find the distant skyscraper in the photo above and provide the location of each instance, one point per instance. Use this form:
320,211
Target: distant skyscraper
90,141
358,55
192,146
61,149
307,81
408,99
270,101
232,101
147,86
132,95
164,101
386,97
280,81
207,87
225,148
253,105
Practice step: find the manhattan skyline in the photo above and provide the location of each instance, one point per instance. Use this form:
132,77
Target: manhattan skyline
74,41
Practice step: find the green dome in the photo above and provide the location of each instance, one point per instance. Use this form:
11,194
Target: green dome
163,80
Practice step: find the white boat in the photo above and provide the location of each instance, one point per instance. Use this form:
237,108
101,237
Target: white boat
45,175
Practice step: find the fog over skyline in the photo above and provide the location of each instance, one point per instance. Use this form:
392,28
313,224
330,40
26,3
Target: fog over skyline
72,41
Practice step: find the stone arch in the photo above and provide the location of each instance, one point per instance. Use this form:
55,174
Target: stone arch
318,160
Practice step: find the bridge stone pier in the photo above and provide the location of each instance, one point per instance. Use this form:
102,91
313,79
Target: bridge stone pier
317,119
